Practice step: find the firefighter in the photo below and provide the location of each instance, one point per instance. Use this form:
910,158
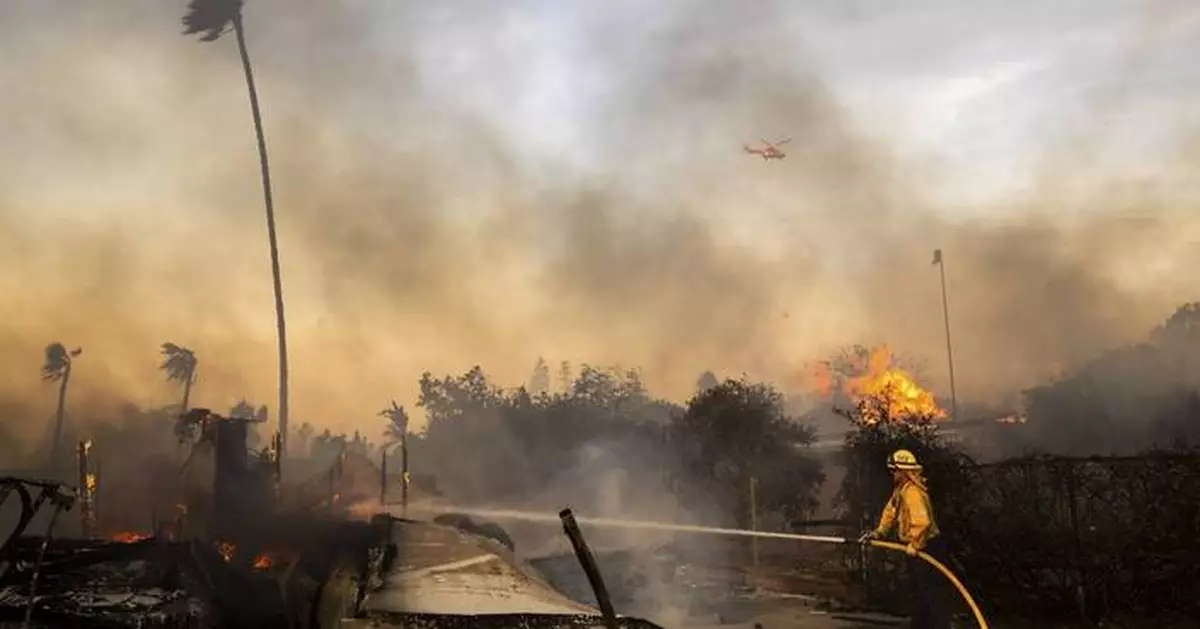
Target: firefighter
910,509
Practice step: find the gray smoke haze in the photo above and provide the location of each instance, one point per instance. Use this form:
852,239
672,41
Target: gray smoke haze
451,193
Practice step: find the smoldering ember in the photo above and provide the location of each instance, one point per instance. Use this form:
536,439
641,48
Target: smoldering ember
670,315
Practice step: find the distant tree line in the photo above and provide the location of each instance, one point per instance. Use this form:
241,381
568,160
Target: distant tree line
488,445
1128,399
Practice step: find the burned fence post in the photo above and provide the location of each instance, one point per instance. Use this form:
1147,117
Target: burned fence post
277,466
86,491
588,562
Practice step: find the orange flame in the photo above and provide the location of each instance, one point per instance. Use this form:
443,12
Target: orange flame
127,537
896,394
262,562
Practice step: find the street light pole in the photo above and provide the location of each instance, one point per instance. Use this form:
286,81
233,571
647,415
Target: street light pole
937,260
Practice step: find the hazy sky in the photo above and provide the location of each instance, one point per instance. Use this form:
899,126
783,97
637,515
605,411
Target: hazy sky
486,182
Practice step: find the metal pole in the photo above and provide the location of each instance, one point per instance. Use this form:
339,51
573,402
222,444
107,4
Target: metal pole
940,262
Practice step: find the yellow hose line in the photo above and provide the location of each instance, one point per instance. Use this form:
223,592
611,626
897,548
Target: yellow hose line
945,572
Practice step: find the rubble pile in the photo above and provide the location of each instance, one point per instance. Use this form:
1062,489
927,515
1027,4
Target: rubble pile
104,584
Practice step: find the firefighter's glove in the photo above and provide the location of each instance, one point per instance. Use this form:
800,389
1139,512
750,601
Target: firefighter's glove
866,538
911,550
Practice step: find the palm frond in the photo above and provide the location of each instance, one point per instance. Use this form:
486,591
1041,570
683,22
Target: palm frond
210,17
179,362
397,421
55,364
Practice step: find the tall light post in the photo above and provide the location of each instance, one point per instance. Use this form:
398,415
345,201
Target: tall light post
940,263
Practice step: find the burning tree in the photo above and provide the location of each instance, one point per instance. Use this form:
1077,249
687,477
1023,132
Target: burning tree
888,410
876,384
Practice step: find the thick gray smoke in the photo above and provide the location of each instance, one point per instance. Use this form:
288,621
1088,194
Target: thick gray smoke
486,184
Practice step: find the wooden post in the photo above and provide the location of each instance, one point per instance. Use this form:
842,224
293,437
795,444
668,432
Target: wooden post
86,491
590,569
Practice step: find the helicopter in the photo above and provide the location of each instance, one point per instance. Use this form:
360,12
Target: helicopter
769,150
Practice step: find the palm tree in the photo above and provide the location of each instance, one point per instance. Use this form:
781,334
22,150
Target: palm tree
304,435
397,431
539,382
57,368
397,428
213,18
180,364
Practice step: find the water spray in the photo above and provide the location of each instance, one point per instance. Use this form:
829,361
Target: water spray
531,516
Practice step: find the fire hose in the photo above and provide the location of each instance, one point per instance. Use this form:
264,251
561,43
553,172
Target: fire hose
922,555
962,590
683,528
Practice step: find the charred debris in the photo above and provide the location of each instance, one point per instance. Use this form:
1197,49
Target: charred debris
248,553
245,553
237,555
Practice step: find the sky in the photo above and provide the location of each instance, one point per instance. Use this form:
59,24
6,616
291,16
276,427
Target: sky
486,183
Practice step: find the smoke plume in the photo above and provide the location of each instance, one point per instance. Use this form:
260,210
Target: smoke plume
487,184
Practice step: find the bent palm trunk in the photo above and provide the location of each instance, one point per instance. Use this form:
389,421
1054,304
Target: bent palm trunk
60,415
280,327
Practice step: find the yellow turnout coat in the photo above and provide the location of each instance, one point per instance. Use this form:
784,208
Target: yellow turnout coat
910,507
